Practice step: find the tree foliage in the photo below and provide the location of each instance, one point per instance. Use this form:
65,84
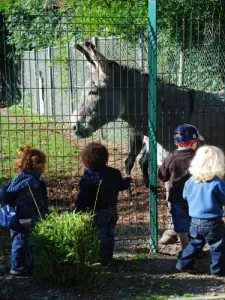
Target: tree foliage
186,21
40,23
30,26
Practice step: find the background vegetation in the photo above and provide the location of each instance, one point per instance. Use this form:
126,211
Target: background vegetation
19,126
39,23
66,249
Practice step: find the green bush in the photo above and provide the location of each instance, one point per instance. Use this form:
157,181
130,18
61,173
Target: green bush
65,249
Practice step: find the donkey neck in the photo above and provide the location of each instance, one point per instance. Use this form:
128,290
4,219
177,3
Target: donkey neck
140,124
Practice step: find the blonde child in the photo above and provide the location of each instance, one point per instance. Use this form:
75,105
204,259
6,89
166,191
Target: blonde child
30,164
205,195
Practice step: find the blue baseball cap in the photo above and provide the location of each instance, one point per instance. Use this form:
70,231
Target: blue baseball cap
186,133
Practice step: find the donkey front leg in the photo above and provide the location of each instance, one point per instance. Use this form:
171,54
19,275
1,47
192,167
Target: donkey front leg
144,167
144,161
135,148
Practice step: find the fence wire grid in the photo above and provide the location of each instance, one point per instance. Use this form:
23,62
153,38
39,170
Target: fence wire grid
40,88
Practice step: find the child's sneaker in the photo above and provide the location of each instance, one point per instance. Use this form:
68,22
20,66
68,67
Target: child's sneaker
106,265
18,273
168,237
191,270
14,272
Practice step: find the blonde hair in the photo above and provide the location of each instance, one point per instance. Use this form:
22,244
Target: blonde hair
29,158
208,162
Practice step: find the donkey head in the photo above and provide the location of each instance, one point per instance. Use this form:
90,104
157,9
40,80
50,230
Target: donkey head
98,103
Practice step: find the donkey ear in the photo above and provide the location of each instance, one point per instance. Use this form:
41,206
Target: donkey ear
90,46
98,58
86,54
91,49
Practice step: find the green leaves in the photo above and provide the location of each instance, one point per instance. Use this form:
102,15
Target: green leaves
3,4
185,20
66,249
31,25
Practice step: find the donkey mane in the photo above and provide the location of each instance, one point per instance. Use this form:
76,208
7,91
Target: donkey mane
126,67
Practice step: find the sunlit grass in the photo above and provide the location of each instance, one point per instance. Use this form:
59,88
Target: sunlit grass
19,126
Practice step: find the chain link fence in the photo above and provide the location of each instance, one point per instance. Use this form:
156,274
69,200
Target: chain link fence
51,82
200,67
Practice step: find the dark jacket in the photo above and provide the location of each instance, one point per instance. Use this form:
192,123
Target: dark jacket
175,170
16,193
112,183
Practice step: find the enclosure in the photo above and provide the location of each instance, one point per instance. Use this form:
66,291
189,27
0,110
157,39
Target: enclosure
149,82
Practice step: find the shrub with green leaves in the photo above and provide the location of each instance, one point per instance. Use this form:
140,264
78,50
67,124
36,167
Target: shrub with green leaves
65,249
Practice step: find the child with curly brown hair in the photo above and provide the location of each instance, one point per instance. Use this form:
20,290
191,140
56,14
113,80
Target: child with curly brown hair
27,193
98,192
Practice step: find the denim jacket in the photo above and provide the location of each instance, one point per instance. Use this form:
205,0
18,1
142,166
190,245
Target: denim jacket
16,193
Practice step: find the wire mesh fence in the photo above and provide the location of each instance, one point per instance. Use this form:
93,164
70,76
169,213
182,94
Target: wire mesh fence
51,81
42,83
198,67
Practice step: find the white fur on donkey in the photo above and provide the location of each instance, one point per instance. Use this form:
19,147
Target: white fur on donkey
161,153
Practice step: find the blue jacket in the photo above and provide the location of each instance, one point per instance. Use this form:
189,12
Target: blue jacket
112,183
16,193
205,199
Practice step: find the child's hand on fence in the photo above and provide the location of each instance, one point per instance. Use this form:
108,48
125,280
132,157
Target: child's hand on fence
130,177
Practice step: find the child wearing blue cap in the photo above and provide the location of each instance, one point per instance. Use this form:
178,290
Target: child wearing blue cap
174,170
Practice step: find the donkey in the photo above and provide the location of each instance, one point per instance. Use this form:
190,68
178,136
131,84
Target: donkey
138,143
115,91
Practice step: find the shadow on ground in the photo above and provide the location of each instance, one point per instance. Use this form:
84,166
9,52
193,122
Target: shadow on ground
131,277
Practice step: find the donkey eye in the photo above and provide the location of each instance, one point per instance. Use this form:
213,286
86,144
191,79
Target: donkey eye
93,92
95,107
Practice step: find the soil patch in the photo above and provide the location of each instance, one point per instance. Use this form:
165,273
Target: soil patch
136,276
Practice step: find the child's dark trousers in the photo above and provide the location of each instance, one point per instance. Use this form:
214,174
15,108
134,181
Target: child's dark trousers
105,222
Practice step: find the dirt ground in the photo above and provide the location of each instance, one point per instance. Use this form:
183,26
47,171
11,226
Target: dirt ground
137,275
133,210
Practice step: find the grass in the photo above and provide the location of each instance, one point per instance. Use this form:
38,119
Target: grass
150,297
19,126
143,256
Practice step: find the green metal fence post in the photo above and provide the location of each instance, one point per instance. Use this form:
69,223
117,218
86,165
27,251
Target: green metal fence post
152,123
